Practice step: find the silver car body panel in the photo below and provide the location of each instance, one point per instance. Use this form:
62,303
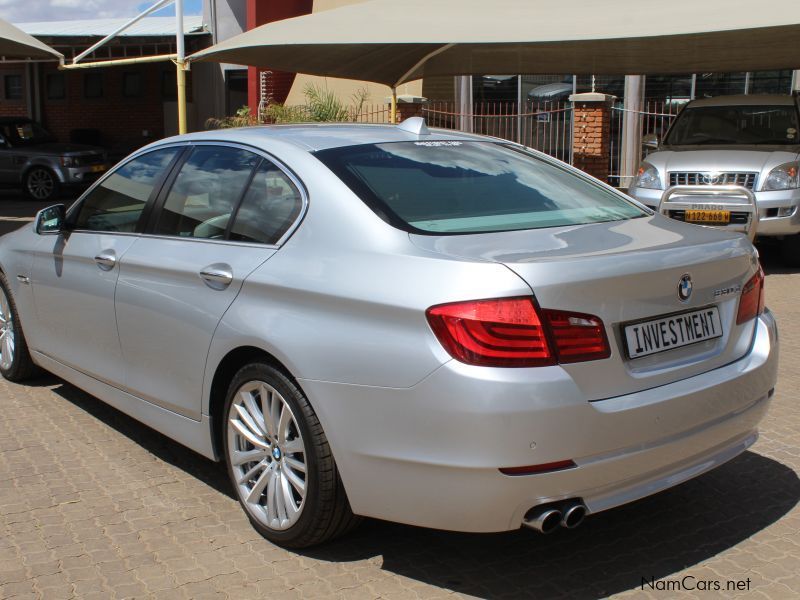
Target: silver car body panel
341,305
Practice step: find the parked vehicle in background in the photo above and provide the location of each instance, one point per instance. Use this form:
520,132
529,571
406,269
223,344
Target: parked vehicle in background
429,327
730,162
30,158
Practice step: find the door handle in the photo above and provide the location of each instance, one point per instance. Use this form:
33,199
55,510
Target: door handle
217,276
106,260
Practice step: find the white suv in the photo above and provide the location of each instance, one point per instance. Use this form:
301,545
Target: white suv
731,162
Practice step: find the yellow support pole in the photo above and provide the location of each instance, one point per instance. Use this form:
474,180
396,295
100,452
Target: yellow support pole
394,106
180,64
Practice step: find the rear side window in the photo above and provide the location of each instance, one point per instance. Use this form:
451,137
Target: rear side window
451,187
116,204
206,191
269,208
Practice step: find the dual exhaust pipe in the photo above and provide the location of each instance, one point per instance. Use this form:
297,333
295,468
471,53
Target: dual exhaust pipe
548,517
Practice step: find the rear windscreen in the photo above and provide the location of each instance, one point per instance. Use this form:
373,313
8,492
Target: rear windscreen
470,187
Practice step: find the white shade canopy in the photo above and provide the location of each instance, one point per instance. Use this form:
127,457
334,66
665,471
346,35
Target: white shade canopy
15,44
391,41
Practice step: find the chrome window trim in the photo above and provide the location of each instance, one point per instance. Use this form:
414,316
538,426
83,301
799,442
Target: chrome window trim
298,183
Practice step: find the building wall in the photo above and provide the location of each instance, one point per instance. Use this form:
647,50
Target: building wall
119,123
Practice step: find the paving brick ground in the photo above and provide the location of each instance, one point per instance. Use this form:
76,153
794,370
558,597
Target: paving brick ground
95,505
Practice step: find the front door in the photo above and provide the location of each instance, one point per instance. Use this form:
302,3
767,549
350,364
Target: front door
74,274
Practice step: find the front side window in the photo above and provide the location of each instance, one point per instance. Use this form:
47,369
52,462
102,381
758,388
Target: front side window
205,193
116,204
455,187
270,207
709,125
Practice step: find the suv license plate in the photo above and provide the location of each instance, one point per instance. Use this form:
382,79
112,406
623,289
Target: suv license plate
673,331
708,216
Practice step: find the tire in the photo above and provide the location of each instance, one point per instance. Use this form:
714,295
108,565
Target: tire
790,250
19,366
290,508
41,184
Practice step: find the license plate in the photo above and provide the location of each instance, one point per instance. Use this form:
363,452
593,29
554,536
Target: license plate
708,216
673,331
97,168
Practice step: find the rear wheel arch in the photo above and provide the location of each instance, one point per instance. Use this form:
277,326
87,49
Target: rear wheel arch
223,375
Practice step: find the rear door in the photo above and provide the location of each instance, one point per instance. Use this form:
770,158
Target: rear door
220,218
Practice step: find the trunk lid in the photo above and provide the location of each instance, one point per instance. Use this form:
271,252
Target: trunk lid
622,272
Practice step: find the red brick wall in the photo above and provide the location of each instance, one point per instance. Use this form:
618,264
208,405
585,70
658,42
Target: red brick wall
260,12
120,120
591,138
12,108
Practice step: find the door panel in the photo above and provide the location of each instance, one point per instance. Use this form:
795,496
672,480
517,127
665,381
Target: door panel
171,295
74,298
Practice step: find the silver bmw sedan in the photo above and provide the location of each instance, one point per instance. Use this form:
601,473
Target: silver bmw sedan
424,326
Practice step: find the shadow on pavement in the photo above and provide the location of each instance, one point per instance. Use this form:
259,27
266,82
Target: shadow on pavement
611,552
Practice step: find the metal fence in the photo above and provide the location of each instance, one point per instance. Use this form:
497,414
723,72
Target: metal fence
656,118
545,126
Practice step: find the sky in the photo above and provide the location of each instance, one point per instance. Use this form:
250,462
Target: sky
24,11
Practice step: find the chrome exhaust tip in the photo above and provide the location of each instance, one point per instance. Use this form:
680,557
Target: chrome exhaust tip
573,515
544,519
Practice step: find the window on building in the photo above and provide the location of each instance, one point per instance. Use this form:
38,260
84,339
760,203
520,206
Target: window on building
56,86
93,85
13,86
131,84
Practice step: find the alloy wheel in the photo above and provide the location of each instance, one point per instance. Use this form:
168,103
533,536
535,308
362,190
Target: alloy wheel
267,455
40,184
7,341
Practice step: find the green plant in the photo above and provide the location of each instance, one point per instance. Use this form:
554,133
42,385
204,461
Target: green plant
322,106
242,118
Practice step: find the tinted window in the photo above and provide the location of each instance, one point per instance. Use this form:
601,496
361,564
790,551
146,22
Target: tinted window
205,193
708,125
470,187
270,207
93,85
117,203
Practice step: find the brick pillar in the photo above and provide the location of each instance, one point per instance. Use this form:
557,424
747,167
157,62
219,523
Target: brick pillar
591,133
408,106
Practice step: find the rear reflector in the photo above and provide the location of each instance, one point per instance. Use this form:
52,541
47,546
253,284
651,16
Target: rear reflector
751,302
543,468
511,332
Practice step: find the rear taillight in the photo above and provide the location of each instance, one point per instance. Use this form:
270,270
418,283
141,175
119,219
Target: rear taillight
577,337
751,302
511,332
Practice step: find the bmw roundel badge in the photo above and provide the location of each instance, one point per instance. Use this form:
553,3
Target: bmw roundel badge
685,288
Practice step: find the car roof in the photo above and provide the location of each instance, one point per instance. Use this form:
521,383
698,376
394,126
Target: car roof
745,100
323,136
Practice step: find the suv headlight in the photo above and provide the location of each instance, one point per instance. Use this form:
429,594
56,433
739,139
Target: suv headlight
69,161
648,178
783,177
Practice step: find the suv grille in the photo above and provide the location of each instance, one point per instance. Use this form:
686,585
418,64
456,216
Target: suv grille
747,180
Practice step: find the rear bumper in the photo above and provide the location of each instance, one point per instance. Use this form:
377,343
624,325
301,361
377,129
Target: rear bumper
429,455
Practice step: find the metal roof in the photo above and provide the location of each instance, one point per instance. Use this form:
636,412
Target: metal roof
149,26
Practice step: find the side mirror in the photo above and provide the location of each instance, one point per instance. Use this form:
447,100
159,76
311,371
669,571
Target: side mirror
3,142
650,141
51,219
